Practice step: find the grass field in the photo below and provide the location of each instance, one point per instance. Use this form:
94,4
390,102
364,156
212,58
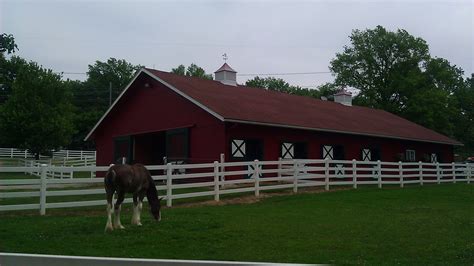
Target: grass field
415,225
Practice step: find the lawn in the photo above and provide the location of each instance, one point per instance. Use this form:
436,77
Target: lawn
416,225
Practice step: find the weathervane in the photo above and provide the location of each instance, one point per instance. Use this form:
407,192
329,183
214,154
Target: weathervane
224,56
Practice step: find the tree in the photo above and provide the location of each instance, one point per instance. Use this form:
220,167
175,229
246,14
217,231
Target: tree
383,65
278,84
192,71
7,44
7,67
93,96
38,114
395,72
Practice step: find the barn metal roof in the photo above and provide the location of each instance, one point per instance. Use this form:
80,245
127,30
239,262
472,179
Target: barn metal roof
249,105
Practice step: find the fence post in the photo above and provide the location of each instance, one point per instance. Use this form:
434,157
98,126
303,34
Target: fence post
420,172
222,170
279,168
469,173
82,154
438,175
454,172
43,190
400,173
295,177
354,175
169,183
257,178
11,153
67,154
26,151
326,173
379,172
216,181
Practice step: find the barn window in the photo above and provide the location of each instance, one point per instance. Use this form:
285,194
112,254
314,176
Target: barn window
246,149
238,148
434,158
410,155
296,150
366,155
370,154
328,152
335,152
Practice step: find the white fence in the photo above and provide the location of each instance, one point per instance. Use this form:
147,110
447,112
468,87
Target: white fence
16,259
67,154
54,163
216,179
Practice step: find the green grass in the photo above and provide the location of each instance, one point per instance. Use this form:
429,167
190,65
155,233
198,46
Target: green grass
415,225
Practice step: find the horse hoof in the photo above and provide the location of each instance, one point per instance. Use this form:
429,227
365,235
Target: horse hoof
109,228
139,224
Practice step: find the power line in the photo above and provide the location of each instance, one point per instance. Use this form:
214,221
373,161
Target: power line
284,74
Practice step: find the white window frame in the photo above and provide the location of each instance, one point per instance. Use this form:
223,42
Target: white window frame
287,150
366,155
238,148
328,152
410,155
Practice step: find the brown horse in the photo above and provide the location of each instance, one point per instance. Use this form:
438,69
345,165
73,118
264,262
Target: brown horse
135,179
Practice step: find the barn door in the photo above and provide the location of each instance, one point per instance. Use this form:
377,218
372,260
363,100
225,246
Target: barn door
123,148
177,145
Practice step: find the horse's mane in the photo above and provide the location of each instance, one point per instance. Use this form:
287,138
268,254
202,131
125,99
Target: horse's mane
151,193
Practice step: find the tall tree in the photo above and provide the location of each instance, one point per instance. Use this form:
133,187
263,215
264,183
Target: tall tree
93,96
383,65
395,72
8,67
38,114
192,70
7,44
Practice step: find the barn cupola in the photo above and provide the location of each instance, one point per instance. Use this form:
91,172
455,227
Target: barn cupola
226,75
343,97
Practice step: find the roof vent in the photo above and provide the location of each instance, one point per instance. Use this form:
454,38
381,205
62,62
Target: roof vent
226,75
343,97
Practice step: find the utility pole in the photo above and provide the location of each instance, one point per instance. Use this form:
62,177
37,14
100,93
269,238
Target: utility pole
110,93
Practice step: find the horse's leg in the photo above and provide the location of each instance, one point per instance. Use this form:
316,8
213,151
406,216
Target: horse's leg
118,206
110,211
135,218
140,207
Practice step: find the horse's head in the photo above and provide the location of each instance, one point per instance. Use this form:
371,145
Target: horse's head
156,210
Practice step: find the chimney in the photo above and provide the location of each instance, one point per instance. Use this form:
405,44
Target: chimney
226,75
343,97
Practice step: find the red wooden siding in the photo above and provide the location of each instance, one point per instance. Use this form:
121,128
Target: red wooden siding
153,109
273,137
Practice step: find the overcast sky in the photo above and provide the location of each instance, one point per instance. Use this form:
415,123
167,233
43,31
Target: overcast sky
258,36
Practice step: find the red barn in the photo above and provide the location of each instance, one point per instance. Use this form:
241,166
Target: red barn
189,119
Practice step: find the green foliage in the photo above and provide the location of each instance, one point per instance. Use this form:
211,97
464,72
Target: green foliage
278,84
92,96
7,44
38,114
193,70
8,71
394,71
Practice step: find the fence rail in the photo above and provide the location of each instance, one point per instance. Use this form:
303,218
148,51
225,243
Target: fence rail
216,179
67,154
